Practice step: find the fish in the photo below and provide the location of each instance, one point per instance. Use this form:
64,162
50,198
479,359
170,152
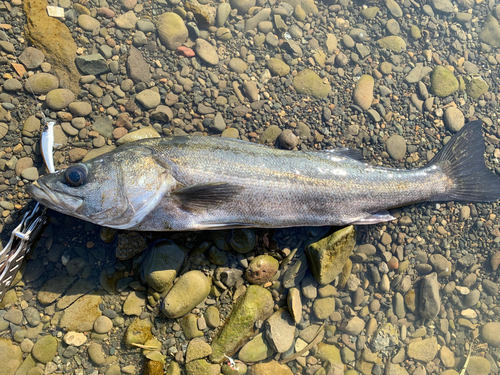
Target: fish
189,183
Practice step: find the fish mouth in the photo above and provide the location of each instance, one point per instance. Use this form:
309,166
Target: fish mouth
58,201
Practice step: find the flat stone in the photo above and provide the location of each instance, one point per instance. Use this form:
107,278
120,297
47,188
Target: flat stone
423,350
11,357
137,66
134,303
280,330
126,21
93,64
81,315
31,58
149,98
45,349
206,51
59,99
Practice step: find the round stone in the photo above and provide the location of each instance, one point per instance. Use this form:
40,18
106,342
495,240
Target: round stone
149,98
59,99
96,354
491,333
45,349
242,240
12,84
103,324
261,269
87,23
80,109
41,83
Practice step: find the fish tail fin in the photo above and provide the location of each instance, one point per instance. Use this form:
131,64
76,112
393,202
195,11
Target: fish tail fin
462,161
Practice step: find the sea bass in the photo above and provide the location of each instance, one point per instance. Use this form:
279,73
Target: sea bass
200,183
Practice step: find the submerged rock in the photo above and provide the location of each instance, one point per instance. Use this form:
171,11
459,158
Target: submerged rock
430,301
191,289
327,257
255,305
161,265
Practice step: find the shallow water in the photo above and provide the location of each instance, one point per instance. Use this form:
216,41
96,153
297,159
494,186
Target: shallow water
297,78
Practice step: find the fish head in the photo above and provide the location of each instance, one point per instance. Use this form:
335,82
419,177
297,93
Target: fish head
117,189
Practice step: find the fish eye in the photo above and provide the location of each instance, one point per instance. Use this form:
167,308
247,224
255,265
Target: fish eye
76,175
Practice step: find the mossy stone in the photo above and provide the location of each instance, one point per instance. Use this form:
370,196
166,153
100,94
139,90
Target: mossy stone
307,82
443,82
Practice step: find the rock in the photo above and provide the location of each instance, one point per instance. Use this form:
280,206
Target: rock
353,326
270,134
126,21
80,109
430,301
212,316
280,330
393,43
191,289
441,265
490,333
363,92
30,174
201,366
11,356
237,65
134,303
12,84
150,368
251,90
14,316
143,133
447,357
269,368
242,240
138,332
137,66
261,269
490,32
478,366
76,154
88,23
307,82
53,288
93,64
189,325
288,140
423,350
444,6
278,67
242,6
222,13
104,126
31,58
103,324
149,98
218,124
454,119
323,307
257,349
327,257
45,349
96,354
443,82
396,147
417,73
328,352
197,349
162,113
476,87
395,369
161,264
74,338
81,315
206,51
59,99
294,304
255,305
472,298
171,30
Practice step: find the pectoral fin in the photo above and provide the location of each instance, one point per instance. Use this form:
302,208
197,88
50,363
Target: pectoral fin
375,218
206,196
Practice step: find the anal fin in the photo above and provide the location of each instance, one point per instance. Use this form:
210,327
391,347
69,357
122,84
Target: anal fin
378,217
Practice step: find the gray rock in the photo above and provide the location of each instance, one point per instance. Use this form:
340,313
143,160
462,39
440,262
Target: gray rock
149,98
12,84
280,330
14,316
218,124
454,119
31,57
103,324
490,287
171,30
250,89
242,6
41,83
472,298
430,300
206,51
394,8
30,174
490,33
145,26
162,113
396,147
262,15
354,326
288,139
96,354
309,287
222,13
87,22
80,109
104,126
444,6
161,264
93,64
139,39
137,67
126,21
490,333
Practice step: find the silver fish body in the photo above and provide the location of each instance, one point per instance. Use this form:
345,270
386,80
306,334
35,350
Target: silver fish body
198,183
